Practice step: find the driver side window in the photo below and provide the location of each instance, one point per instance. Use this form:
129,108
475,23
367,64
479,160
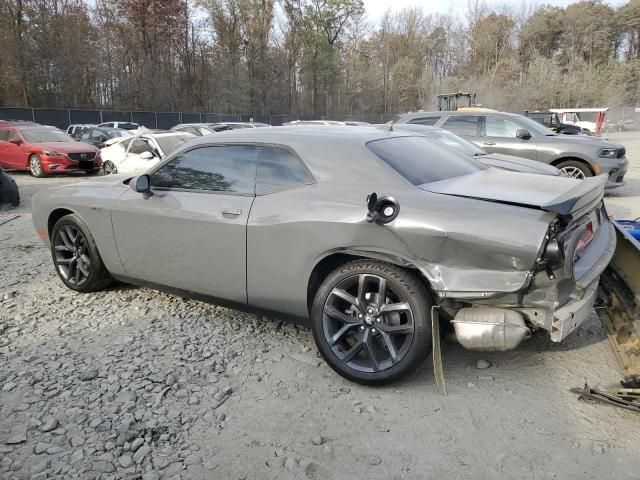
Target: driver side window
499,127
218,169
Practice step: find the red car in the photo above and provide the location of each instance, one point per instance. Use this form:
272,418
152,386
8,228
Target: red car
44,150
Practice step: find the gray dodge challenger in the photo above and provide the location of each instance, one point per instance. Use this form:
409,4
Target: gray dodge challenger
379,237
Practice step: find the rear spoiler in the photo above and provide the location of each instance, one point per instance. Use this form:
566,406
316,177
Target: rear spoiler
582,197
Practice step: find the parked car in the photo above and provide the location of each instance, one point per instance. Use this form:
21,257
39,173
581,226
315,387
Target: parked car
9,193
578,156
97,136
76,129
140,152
44,150
124,125
197,129
590,120
497,160
362,230
314,122
354,123
552,121
219,126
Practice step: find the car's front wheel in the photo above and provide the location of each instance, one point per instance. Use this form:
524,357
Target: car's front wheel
371,321
76,257
108,168
35,166
574,169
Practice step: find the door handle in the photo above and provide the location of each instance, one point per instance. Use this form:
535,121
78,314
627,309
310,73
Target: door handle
489,143
231,211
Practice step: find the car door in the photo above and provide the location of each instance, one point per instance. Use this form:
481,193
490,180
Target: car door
190,233
15,155
4,144
499,136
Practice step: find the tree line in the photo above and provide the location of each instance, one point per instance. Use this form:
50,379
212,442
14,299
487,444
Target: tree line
313,57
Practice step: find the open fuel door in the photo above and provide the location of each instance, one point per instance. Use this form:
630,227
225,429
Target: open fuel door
620,309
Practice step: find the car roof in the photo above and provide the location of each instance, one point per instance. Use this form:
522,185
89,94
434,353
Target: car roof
194,124
19,124
166,134
331,152
411,116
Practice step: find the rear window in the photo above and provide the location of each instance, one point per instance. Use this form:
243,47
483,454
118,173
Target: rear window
463,124
421,160
425,120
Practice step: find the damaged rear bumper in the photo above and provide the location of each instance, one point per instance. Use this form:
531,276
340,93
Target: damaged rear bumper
568,317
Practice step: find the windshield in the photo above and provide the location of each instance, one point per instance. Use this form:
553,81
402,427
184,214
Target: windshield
454,141
46,135
116,132
421,160
534,127
587,116
169,143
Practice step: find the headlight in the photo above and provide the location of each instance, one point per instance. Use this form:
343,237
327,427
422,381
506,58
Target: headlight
51,153
608,152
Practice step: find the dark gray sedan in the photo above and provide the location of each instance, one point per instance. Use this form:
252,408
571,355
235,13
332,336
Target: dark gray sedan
579,156
361,230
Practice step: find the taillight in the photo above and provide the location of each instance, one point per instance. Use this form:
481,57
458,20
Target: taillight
585,239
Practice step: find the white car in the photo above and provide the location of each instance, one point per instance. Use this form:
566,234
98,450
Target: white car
124,125
139,153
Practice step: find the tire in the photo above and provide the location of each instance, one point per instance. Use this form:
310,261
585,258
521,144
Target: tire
575,169
108,168
343,324
66,245
35,166
9,192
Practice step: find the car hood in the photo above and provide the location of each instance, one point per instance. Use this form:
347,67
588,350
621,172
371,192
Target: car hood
560,195
68,147
517,164
582,140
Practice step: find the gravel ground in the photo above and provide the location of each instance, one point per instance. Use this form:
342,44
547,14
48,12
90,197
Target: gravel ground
130,383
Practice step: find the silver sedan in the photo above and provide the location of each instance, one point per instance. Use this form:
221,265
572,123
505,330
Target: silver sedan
362,231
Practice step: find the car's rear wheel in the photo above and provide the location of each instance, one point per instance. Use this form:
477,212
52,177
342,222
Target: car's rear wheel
75,256
108,168
371,321
35,166
575,169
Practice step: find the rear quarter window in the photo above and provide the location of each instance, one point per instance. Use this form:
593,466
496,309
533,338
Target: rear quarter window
431,120
422,160
466,125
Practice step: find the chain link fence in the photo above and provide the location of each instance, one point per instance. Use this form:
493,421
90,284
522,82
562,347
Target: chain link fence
62,118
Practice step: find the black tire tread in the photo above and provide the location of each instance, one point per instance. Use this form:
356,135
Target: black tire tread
417,293
101,276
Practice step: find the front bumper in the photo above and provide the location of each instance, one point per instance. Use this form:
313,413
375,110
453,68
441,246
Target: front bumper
616,173
64,164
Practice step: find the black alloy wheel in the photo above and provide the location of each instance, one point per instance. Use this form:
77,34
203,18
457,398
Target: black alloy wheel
372,325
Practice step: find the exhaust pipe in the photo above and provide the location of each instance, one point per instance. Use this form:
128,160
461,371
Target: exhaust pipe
490,329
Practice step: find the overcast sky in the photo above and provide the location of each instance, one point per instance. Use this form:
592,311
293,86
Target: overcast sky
376,8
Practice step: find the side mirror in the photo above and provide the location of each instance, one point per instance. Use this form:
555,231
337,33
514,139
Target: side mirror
141,184
523,133
147,155
16,141
382,209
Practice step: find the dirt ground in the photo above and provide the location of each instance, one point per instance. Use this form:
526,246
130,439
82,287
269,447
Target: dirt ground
132,383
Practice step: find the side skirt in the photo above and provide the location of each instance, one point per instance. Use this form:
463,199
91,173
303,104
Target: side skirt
201,297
